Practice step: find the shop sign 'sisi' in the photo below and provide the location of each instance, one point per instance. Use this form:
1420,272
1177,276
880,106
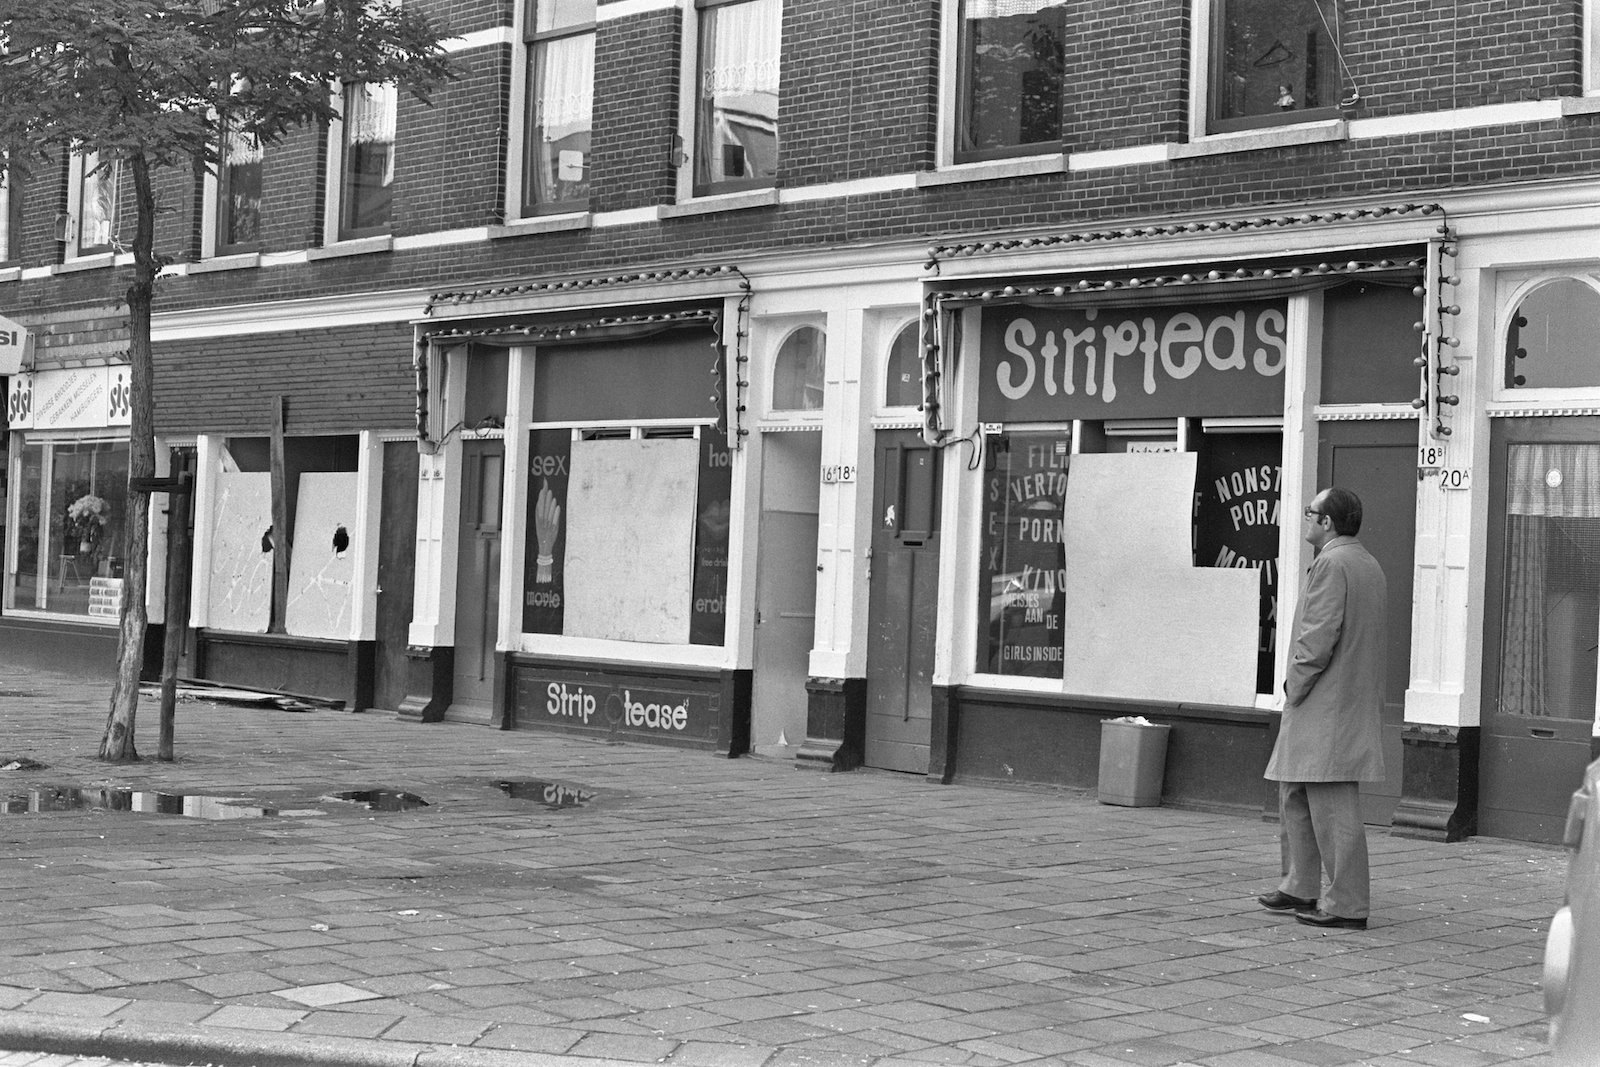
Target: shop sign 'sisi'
13,345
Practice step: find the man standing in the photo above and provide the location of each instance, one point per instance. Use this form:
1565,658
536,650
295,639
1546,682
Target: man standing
1332,721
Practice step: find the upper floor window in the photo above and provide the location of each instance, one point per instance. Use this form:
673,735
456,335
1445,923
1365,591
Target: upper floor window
797,376
1551,340
366,160
1271,62
560,40
93,204
736,119
1010,65
239,193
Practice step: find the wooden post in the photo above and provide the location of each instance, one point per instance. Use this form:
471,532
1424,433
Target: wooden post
280,517
178,508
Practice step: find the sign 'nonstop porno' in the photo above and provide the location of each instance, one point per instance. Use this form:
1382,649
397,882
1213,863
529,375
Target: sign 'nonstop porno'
1059,363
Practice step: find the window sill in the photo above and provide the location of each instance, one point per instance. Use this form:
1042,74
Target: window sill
240,261
10,274
577,220
363,246
95,262
993,170
1580,105
1261,140
708,205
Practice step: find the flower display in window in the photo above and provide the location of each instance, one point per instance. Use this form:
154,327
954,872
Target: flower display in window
87,515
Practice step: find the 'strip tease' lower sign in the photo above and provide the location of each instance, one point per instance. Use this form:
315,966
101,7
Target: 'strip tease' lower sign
597,703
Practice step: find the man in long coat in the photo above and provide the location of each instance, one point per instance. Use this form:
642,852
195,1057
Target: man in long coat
1329,739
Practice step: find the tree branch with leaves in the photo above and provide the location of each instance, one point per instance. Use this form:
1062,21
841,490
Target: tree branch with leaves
153,85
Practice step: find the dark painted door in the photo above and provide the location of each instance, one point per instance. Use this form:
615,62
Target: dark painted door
1377,460
1541,621
903,601
397,554
478,582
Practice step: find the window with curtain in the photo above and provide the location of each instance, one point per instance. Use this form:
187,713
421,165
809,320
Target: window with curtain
736,120
1551,622
560,41
1011,63
97,204
1553,339
366,185
1273,62
239,192
797,371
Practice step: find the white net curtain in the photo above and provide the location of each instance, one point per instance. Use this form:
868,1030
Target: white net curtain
1552,581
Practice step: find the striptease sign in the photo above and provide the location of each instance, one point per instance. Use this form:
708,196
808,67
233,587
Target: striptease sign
1043,364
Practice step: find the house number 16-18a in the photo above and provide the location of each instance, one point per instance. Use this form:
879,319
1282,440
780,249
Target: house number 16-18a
838,472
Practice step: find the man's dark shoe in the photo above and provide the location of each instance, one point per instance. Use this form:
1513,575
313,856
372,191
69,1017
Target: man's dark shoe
1277,900
1329,922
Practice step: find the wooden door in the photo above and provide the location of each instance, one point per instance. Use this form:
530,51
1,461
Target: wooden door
1377,461
478,582
1541,622
903,601
397,555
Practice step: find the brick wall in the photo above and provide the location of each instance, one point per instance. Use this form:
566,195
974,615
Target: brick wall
860,101
450,157
635,111
858,93
337,380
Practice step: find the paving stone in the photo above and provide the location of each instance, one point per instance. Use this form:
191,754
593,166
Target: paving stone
734,913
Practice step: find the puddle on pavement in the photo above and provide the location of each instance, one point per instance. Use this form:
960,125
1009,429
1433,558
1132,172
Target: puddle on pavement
46,799
550,794
379,799
43,800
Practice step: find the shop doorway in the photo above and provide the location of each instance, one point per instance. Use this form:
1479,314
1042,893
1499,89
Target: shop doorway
397,554
478,582
903,600
1542,623
1377,461
786,591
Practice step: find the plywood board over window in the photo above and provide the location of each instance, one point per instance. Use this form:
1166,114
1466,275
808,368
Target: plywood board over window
1142,621
322,568
630,539
241,571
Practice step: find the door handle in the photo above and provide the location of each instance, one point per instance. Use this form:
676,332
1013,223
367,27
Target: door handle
1541,731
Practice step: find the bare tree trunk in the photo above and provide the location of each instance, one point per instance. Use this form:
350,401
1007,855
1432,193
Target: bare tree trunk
117,744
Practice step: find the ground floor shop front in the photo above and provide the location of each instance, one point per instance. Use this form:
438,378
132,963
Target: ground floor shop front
934,513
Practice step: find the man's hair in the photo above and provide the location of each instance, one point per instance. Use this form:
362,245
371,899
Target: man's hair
1343,509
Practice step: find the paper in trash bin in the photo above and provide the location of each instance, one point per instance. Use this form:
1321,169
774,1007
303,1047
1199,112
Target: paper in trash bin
1135,720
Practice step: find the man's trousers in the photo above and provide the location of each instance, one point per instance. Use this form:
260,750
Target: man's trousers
1320,829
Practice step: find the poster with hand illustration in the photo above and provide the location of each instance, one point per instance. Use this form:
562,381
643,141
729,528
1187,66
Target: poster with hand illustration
544,581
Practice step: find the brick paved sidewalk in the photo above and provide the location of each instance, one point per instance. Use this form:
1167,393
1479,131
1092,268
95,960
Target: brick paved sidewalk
703,912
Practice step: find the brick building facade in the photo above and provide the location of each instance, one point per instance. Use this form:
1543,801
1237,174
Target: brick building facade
914,384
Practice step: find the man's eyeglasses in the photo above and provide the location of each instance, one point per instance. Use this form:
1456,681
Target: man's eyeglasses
1313,514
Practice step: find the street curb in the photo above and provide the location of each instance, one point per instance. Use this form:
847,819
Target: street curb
22,1031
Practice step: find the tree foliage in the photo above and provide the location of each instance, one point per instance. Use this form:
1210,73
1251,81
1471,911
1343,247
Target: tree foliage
152,84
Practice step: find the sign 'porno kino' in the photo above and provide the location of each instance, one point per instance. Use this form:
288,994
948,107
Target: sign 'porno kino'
1099,363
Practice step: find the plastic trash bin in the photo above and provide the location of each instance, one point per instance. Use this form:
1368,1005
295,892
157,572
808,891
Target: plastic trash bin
1133,760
